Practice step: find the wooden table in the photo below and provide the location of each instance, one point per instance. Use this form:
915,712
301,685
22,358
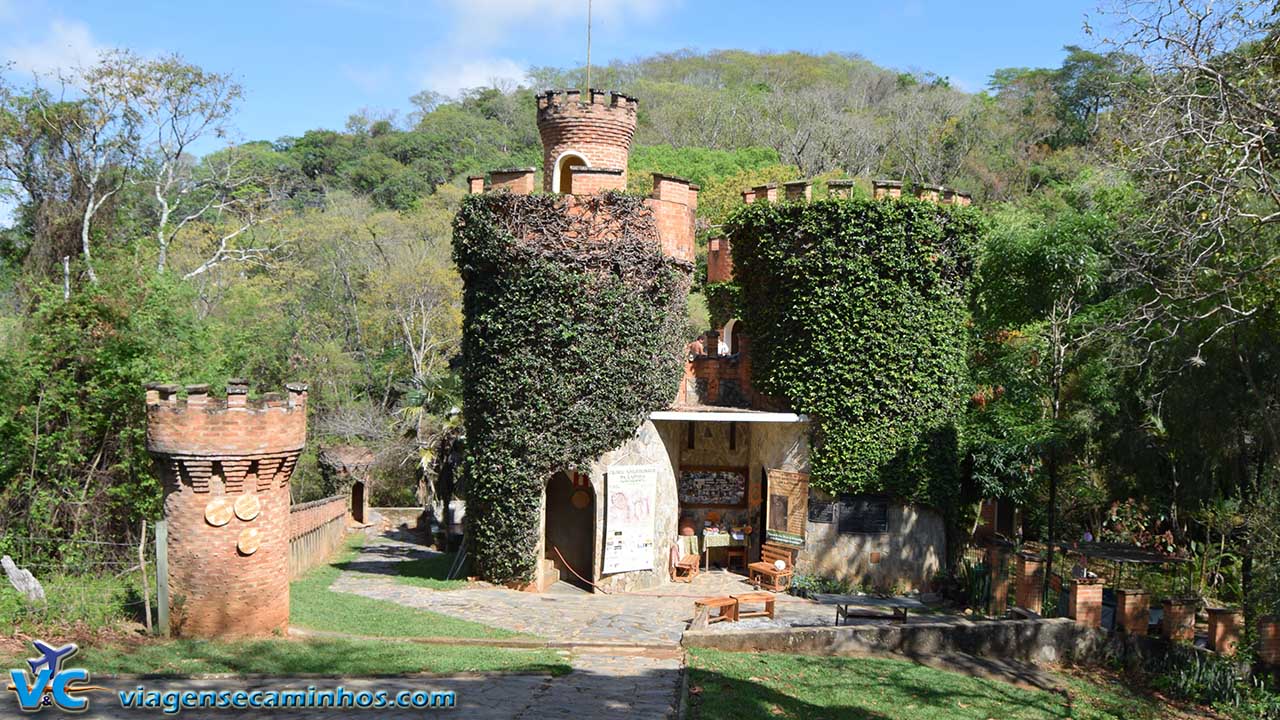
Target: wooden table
754,598
866,603
720,539
727,606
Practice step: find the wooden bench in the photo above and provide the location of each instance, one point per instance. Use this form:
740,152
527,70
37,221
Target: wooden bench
753,598
726,606
865,606
685,565
765,574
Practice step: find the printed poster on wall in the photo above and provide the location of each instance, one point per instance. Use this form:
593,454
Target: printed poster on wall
632,492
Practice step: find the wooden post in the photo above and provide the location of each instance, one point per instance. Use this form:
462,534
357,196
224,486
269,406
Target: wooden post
162,576
142,565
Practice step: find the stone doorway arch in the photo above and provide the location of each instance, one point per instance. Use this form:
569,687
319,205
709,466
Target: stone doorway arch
570,528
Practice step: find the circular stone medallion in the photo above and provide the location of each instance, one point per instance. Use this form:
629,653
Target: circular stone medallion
249,540
218,512
248,507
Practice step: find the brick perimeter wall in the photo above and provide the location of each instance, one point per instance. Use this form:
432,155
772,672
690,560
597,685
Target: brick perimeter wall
316,529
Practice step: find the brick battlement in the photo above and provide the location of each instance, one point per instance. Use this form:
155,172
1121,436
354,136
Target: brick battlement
199,425
595,131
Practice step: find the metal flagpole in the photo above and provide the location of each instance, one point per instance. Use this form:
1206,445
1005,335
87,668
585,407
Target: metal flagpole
588,88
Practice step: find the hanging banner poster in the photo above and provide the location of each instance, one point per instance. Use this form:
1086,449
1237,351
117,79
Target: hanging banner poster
632,492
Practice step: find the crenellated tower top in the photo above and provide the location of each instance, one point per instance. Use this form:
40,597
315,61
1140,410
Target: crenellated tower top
592,132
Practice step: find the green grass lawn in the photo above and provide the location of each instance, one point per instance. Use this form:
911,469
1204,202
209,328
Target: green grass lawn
743,686
430,573
314,606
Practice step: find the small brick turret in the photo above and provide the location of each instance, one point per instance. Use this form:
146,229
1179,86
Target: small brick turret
593,131
226,467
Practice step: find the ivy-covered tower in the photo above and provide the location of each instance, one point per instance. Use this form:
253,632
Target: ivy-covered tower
574,330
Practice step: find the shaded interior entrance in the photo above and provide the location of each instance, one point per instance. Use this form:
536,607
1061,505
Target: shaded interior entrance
571,512
565,175
357,501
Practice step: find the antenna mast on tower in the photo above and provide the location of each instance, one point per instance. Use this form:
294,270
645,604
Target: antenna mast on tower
588,88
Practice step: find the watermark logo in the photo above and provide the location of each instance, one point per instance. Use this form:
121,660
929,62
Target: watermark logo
48,684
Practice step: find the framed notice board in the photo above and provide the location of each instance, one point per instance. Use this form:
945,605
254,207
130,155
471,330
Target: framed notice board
713,487
862,514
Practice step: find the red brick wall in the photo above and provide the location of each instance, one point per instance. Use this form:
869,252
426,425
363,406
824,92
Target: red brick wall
316,529
595,180
207,450
1030,582
214,590
1085,602
599,127
309,516
518,181
719,260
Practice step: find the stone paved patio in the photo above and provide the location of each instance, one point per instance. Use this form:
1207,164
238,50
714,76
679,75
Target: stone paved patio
566,613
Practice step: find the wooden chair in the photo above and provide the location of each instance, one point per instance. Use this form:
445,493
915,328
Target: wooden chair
735,553
765,574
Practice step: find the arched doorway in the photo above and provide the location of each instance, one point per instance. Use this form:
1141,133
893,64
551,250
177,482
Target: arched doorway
571,516
357,501
733,336
563,180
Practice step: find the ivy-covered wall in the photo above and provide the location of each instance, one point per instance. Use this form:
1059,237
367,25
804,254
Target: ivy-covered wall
572,333
858,313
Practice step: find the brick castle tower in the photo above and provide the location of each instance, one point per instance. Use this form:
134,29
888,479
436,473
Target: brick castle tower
586,143
226,467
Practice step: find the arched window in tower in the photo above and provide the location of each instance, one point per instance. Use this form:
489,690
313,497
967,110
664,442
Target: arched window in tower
564,178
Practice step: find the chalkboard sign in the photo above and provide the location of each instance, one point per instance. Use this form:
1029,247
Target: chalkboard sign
713,487
863,514
821,511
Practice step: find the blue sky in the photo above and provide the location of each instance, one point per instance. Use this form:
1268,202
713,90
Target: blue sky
311,63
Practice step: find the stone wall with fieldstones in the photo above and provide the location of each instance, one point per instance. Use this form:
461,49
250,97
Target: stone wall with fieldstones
226,465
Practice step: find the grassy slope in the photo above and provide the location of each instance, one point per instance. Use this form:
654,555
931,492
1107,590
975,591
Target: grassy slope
313,605
742,686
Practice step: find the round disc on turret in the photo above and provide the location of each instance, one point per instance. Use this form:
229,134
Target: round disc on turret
248,507
249,540
218,512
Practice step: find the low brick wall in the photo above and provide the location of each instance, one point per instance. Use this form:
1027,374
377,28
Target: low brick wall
316,529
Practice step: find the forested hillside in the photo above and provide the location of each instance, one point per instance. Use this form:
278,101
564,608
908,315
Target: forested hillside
1123,318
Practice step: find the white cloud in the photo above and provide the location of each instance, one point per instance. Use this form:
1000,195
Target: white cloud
66,46
451,76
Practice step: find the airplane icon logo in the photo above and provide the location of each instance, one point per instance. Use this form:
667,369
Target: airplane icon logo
50,657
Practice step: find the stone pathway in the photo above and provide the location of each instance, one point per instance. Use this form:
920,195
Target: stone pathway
601,687
656,617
